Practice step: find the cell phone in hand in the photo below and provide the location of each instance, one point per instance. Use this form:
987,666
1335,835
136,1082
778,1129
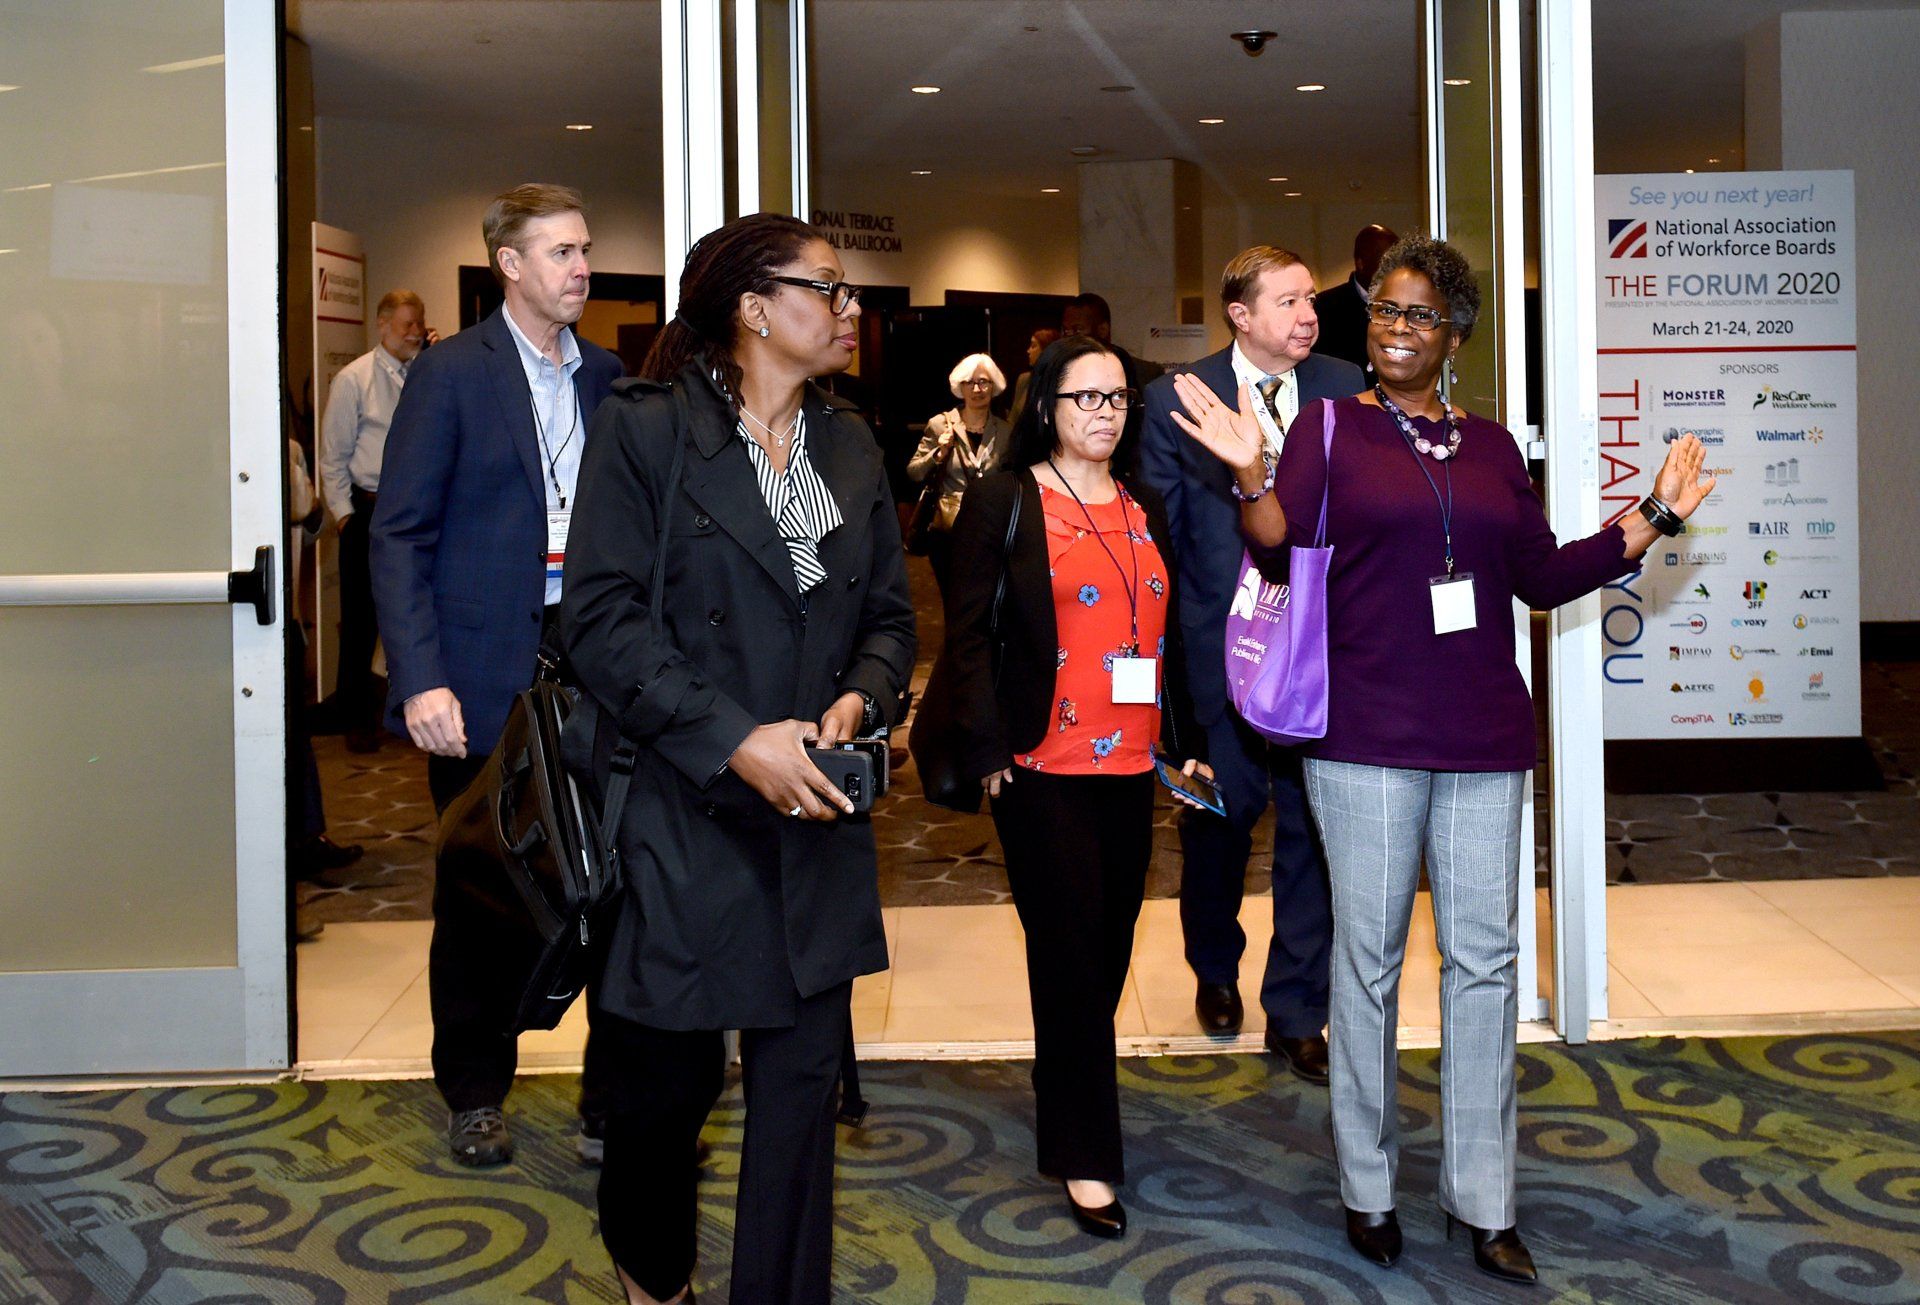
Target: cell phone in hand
857,767
1195,786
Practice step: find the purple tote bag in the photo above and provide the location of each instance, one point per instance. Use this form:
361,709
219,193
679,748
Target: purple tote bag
1277,636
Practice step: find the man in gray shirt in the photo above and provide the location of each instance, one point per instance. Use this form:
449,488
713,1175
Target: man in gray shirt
353,442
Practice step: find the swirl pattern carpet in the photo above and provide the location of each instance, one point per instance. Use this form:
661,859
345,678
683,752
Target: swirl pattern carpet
1662,1170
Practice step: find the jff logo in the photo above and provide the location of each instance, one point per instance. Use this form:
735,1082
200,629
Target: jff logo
1626,238
1755,592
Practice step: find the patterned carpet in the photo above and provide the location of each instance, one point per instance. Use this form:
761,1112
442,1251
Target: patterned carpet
1748,1170
931,857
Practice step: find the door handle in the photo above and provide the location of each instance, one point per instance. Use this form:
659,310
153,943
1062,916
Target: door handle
255,586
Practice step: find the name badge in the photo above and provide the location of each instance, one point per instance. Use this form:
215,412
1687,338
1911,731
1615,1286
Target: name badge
1452,602
559,521
1136,679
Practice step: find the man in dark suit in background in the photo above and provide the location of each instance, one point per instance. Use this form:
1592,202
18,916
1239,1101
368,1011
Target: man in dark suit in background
1343,308
1089,314
469,533
1267,294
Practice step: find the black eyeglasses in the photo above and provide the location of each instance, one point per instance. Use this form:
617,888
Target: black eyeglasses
1090,400
1419,317
840,295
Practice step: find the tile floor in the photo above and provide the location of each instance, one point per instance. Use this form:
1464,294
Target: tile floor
1683,958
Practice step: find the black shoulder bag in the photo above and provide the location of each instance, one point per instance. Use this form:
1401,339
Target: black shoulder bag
931,737
525,843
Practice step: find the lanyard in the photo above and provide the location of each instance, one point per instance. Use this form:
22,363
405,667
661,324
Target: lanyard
1446,508
547,451
1133,583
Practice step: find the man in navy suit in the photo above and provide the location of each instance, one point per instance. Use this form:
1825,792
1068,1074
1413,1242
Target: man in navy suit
468,536
1268,297
1343,308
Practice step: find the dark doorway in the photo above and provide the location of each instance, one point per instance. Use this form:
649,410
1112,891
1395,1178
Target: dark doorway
624,310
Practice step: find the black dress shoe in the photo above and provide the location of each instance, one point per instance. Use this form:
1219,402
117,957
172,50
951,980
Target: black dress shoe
319,854
1109,1220
1218,1006
1375,1236
1498,1251
479,1138
1306,1057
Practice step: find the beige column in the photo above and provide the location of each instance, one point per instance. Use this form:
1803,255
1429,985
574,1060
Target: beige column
1140,244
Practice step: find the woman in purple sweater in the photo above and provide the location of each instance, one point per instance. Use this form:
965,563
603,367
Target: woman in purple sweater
1435,530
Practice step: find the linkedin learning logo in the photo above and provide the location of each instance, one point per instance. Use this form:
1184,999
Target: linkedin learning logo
1627,237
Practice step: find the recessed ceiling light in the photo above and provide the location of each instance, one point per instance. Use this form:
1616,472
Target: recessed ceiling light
38,185
186,64
1029,28
1458,81
1049,190
579,126
923,172
1084,151
305,127
1279,178
1211,122
9,251
1713,160
1689,172
1116,90
1311,86
5,89
1293,194
926,90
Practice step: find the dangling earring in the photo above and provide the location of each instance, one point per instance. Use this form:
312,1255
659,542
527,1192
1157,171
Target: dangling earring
1453,377
1369,366
763,333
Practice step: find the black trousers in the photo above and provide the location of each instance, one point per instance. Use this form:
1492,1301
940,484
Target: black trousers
1077,849
665,1083
359,630
473,988
1251,772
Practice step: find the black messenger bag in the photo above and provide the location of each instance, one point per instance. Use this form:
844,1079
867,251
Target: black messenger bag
524,846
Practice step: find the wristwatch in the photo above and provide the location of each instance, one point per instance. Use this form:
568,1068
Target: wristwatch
1661,517
869,712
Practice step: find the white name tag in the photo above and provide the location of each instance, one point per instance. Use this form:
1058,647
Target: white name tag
559,522
1136,679
1452,602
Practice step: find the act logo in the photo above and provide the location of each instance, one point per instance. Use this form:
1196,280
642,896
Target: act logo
1813,595
1626,238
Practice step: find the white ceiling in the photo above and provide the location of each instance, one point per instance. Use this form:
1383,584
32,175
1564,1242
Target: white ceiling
1668,76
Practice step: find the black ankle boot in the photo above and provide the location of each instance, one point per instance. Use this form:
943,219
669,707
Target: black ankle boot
1375,1236
1498,1251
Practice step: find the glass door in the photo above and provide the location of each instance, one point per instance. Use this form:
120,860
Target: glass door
142,735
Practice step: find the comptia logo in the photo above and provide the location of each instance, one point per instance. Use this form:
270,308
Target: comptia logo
1626,238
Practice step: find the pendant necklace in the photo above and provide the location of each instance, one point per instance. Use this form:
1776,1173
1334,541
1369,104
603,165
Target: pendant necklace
1438,452
779,438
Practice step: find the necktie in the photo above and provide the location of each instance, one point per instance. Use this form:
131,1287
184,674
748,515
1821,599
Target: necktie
1269,387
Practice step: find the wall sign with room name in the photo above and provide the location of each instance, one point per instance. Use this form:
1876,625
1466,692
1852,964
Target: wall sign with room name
867,233
1727,310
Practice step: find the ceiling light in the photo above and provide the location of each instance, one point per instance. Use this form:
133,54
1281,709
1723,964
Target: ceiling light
9,251
1084,151
1293,194
1458,81
306,128
14,190
1311,86
1713,160
185,64
1049,190
926,90
1211,122
579,126
5,89
922,172
1116,90
1279,178
1029,29
1689,172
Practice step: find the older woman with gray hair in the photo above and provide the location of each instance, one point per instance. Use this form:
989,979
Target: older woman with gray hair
958,447
1435,531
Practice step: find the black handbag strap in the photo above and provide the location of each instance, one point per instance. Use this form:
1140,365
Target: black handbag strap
1006,565
625,753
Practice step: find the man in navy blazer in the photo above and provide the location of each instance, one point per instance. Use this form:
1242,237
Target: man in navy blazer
1267,294
468,535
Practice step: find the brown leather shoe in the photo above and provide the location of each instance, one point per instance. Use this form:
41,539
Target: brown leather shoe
1306,1057
1219,1009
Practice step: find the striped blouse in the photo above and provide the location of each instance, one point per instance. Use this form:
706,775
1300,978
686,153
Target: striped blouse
802,508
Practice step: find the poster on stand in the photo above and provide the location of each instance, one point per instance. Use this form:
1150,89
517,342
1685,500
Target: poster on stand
1727,309
339,336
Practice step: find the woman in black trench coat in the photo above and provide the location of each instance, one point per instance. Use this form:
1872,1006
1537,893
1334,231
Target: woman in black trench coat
786,619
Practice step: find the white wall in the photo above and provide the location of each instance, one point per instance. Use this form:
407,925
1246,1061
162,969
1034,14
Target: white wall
1837,90
415,196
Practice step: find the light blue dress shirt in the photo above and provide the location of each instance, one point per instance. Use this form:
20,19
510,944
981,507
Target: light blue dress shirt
559,423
